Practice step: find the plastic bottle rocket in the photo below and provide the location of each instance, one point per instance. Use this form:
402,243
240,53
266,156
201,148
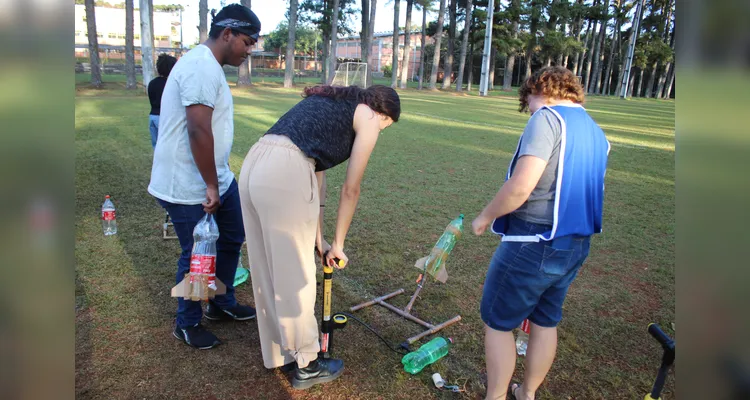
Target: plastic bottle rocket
201,282
427,354
522,341
434,264
109,222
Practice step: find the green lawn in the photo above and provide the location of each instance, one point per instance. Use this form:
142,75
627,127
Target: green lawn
446,156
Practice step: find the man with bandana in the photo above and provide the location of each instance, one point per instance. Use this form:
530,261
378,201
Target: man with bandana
190,175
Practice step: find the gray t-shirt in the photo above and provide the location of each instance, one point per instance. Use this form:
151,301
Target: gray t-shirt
541,138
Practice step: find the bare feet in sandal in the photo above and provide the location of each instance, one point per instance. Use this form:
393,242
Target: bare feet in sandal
515,394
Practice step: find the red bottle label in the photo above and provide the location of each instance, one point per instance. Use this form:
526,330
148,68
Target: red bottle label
108,215
201,264
525,326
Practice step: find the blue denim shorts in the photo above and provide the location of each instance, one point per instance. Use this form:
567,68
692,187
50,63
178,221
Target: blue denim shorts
530,280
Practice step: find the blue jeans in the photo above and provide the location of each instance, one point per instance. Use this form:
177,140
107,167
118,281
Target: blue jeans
231,236
153,127
530,280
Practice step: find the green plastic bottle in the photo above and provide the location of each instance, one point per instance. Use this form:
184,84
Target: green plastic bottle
444,246
430,352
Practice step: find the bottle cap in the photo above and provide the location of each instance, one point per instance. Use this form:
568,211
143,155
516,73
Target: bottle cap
106,197
438,380
450,340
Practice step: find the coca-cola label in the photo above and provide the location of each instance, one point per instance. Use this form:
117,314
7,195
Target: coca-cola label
108,215
525,326
201,264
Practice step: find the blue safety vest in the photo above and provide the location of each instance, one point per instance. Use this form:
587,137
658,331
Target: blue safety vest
579,190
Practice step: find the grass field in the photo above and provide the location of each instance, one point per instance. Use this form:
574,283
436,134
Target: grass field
446,156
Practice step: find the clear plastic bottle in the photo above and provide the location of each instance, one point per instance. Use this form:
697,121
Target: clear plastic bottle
109,223
203,258
427,354
522,340
445,244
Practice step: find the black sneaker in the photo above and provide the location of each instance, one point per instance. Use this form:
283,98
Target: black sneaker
318,371
237,313
196,336
289,367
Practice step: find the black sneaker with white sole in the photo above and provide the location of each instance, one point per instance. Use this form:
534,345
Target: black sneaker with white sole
237,313
196,336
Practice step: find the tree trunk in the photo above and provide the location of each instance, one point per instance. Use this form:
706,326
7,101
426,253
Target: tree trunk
202,20
96,72
151,26
612,47
422,44
668,90
438,39
147,44
581,55
363,35
244,73
651,80
664,76
394,59
493,65
407,45
333,52
325,65
289,73
448,67
597,67
370,33
464,46
511,59
631,84
470,78
129,47
533,27
590,57
640,84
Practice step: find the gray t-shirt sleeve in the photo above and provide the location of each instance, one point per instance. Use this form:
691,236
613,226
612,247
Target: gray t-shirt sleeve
540,135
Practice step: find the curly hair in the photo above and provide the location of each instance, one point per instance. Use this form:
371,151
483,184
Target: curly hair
164,64
381,99
552,82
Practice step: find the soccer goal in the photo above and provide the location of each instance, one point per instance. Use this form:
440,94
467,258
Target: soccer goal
351,74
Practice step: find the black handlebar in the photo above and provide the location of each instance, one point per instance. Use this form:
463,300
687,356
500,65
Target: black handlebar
660,336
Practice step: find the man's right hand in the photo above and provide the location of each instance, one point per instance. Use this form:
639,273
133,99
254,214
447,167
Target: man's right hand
213,200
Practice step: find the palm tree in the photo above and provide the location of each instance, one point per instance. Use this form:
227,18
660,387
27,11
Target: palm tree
244,74
129,47
334,42
289,73
438,39
394,58
202,20
147,43
514,9
425,4
448,67
96,72
597,67
407,45
464,47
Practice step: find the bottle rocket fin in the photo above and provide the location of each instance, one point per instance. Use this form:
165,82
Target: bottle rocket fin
182,289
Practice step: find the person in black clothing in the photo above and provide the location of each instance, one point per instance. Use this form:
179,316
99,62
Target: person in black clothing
283,192
164,65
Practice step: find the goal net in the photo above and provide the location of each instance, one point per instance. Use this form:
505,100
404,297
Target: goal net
351,74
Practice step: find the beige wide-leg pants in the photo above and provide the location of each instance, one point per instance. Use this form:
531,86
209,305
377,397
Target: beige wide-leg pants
280,208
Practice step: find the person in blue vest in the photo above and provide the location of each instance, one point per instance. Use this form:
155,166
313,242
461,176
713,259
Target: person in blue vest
546,212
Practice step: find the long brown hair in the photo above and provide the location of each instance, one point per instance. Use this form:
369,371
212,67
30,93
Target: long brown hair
552,82
381,99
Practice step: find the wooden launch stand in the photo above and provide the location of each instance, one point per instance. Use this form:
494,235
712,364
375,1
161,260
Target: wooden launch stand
406,312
